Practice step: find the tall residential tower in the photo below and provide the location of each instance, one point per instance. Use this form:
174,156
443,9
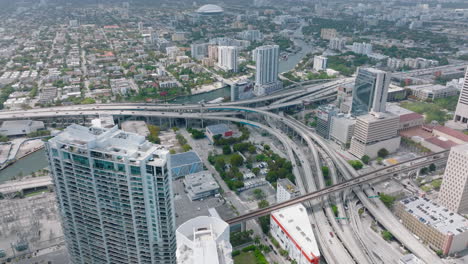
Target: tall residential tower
228,58
461,113
454,190
267,64
114,194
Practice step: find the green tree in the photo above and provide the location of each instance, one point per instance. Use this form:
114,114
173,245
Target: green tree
256,171
424,170
259,194
388,200
263,204
237,160
186,147
265,223
380,160
383,152
153,136
252,149
357,165
227,150
365,159
334,209
325,171
387,236
432,167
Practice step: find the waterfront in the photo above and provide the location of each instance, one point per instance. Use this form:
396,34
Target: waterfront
25,166
284,66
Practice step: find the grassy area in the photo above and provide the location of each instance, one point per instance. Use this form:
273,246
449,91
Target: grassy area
426,188
245,258
449,103
33,193
431,111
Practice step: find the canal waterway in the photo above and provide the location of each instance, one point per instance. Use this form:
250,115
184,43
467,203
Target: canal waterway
25,166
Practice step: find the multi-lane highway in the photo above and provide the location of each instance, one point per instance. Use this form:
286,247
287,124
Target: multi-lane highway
307,163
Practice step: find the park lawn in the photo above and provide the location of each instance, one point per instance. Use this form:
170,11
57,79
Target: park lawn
245,258
431,111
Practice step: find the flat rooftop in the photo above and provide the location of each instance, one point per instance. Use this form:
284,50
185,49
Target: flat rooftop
375,117
218,129
200,182
397,110
295,221
115,142
288,185
436,216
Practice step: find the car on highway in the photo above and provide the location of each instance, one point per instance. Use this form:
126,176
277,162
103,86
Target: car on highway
331,234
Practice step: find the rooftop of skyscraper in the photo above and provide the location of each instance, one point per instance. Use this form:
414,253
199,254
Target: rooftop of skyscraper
115,143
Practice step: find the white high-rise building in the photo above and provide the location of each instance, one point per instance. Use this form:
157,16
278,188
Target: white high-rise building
199,51
454,190
320,63
267,63
337,43
114,195
204,239
461,113
228,58
362,48
370,91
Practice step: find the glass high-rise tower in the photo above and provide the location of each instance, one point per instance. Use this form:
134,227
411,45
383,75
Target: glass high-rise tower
370,91
115,197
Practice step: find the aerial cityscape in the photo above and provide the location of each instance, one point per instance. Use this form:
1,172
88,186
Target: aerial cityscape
233,132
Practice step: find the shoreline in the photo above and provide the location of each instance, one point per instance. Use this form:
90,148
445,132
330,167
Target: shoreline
11,162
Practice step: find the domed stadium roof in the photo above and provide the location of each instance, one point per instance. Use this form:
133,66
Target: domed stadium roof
210,10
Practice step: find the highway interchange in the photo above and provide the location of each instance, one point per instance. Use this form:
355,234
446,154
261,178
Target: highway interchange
348,245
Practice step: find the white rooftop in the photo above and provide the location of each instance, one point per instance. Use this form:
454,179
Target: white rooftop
295,221
204,239
117,143
437,216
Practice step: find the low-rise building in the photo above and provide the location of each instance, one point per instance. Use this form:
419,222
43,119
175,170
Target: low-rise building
122,86
292,229
286,190
16,103
200,185
434,224
432,91
185,163
408,118
410,259
219,129
320,63
20,127
204,239
395,93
